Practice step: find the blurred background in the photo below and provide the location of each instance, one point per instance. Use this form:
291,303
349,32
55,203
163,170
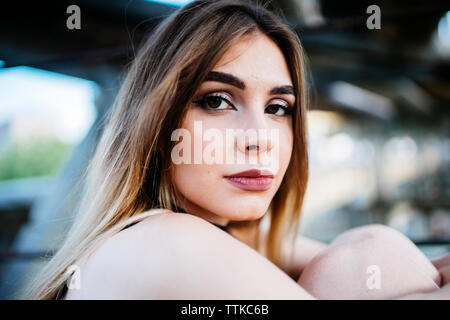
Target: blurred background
379,127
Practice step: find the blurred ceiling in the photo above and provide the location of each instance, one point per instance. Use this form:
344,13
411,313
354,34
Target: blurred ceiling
401,71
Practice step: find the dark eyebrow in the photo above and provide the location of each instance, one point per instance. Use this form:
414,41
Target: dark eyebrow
234,81
283,90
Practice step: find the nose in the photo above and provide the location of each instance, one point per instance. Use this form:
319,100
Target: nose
254,134
255,141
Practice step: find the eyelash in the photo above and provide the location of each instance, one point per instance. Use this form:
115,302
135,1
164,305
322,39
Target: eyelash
204,100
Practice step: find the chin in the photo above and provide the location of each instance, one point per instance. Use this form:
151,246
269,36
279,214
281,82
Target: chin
245,211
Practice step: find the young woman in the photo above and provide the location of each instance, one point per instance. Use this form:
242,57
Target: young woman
153,227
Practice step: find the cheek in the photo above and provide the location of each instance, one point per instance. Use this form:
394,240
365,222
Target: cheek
199,184
194,179
286,146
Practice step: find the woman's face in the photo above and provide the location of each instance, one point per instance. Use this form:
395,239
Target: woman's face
205,180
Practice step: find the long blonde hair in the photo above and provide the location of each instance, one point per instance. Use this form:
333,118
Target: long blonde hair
127,178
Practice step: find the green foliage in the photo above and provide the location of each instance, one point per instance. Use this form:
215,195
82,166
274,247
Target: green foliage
37,157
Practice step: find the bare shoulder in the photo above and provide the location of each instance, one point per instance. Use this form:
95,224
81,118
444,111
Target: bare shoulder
180,256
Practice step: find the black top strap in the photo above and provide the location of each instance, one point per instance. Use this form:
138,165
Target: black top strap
217,225
220,227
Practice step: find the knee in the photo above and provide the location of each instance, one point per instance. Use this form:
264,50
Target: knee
375,234
355,246
332,273
381,239
341,269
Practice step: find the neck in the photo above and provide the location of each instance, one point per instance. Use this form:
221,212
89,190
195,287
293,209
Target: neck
206,215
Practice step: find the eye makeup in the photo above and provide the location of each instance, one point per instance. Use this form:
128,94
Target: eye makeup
212,102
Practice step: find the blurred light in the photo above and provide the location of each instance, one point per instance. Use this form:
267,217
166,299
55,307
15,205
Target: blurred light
402,149
37,101
322,123
414,95
441,37
341,147
432,154
311,12
365,151
444,29
361,99
2,63
177,3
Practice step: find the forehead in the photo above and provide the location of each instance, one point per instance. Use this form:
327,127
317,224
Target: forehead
256,57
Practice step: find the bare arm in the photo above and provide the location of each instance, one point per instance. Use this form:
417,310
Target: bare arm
179,256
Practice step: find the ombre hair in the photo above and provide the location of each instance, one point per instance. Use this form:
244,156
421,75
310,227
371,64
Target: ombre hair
127,178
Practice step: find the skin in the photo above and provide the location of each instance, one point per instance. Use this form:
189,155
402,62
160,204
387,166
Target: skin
213,197
403,269
143,261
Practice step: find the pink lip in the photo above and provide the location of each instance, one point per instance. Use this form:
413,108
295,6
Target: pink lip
251,180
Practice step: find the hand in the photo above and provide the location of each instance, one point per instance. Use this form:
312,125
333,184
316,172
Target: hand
443,266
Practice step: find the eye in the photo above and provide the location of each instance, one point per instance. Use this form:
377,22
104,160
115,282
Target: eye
279,110
214,102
